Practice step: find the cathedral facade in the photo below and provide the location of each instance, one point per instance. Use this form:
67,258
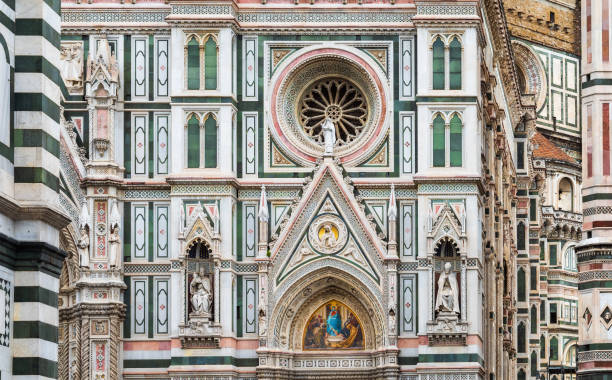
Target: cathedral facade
301,189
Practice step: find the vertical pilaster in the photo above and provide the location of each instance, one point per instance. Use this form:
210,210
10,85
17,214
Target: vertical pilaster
593,253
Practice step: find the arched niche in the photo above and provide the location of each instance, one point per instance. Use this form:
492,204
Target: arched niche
297,304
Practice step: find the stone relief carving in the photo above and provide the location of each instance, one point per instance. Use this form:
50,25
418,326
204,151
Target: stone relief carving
71,57
201,296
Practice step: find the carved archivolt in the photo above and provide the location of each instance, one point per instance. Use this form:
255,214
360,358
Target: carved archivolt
304,297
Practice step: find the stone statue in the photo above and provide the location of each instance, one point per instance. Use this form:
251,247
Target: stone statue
200,294
72,66
447,299
83,246
329,135
113,241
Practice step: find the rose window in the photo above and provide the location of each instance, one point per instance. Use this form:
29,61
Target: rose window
340,101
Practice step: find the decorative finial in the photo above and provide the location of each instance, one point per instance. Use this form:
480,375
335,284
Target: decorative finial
264,216
392,213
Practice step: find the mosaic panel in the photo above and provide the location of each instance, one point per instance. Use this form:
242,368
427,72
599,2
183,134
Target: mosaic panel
249,125
162,233
250,69
408,299
161,306
407,137
149,268
407,230
406,65
139,146
5,321
457,188
139,233
162,123
250,229
139,307
139,68
162,53
250,291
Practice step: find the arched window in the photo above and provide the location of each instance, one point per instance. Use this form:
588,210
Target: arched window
570,357
533,365
522,338
193,64
554,349
210,142
520,284
210,64
521,374
520,236
193,142
542,347
566,195
569,259
454,64
439,142
534,319
438,64
199,250
456,129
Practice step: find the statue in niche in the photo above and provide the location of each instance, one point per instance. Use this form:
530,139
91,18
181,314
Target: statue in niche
447,299
329,135
113,241
201,296
83,246
72,66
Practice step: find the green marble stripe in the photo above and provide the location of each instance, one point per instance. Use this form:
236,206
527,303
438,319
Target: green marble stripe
407,360
595,284
214,360
10,3
127,68
146,363
7,22
127,330
450,358
6,152
600,255
597,82
35,294
596,197
562,282
203,99
37,27
55,5
35,330
150,310
36,175
447,99
127,232
36,138
595,347
595,376
34,367
37,102
146,106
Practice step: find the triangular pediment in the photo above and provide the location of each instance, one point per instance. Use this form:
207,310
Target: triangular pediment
327,226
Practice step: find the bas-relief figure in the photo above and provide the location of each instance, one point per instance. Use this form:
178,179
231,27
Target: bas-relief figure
71,56
447,299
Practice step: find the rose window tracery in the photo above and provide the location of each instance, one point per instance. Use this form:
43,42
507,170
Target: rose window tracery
339,100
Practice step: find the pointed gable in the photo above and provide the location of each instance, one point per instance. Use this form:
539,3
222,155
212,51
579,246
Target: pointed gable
327,224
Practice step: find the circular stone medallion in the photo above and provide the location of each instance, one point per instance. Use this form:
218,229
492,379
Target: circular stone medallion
328,234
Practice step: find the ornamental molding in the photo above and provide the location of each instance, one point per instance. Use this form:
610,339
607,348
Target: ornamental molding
124,18
447,10
202,190
146,268
146,194
454,188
